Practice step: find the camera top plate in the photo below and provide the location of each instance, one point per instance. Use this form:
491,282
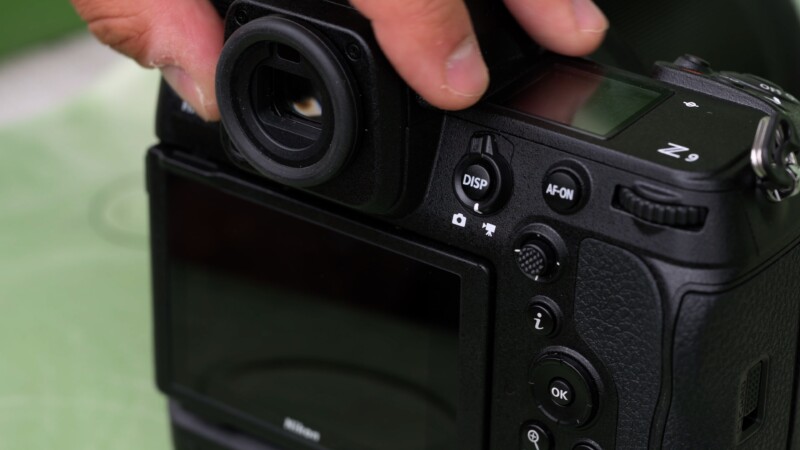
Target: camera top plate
694,131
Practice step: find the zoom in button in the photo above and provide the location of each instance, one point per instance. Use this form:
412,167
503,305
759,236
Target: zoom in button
535,437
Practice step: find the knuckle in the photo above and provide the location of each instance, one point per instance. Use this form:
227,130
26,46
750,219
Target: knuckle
121,35
123,30
429,12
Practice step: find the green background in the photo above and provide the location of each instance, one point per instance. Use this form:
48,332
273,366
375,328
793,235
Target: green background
76,368
26,22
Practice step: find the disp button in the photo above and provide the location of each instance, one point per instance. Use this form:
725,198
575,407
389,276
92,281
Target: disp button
476,182
482,179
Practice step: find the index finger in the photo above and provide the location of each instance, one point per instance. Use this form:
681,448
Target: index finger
569,27
432,45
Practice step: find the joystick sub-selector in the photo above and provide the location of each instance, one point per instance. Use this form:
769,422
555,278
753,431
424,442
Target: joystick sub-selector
540,252
536,259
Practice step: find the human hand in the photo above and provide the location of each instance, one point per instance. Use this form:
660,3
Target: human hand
183,38
431,43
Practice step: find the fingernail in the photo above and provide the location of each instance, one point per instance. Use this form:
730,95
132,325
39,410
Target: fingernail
465,72
589,17
189,90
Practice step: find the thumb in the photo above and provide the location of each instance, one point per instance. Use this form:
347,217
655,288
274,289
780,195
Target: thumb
183,38
432,45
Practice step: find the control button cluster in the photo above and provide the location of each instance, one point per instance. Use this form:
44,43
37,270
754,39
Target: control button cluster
483,182
563,389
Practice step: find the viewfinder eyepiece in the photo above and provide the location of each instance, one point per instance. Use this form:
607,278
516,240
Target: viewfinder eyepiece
287,102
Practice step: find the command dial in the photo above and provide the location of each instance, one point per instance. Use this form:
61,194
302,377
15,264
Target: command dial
671,215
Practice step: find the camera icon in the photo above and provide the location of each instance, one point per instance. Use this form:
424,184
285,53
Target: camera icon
459,220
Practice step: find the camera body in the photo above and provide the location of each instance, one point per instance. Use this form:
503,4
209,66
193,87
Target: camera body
590,259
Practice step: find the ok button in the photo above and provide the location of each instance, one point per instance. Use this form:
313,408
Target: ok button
564,388
561,393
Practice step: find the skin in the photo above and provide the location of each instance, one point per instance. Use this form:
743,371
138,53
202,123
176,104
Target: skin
431,43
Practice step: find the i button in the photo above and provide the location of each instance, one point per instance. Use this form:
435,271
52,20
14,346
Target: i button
543,315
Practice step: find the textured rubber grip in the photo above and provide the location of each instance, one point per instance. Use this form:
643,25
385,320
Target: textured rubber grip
618,313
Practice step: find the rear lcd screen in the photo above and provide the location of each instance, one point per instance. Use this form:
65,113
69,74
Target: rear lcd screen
326,337
583,100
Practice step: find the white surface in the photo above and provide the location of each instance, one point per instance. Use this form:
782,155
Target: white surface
44,78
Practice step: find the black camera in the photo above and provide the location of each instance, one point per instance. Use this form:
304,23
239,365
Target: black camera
589,259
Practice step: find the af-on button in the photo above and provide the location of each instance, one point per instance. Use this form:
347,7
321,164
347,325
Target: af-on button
565,189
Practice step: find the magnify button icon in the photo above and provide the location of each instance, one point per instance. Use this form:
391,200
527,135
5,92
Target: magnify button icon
536,437
533,436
